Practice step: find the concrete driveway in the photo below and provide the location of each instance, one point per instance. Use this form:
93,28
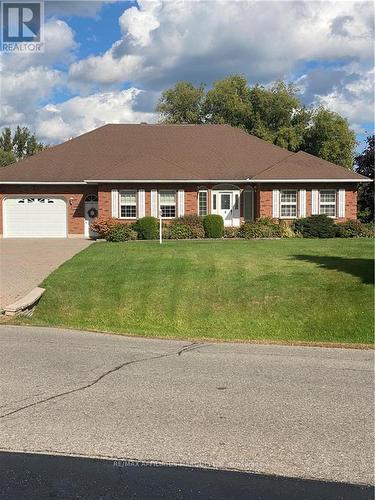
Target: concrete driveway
24,263
291,411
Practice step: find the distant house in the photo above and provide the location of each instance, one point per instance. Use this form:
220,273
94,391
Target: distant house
129,171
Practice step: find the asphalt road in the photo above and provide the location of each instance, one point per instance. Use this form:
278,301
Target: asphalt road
287,411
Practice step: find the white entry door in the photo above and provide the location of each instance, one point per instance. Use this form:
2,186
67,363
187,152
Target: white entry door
226,207
34,217
91,211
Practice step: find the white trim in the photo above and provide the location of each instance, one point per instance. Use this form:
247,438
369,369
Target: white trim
302,203
294,203
203,190
114,203
175,203
181,203
141,203
275,203
123,191
332,203
154,203
341,203
193,181
314,202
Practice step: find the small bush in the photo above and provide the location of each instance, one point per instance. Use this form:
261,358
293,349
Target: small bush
352,229
102,225
316,226
369,230
213,226
231,232
261,228
365,216
147,228
194,222
121,232
179,231
286,230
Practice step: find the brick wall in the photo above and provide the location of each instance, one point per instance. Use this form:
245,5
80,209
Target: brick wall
73,195
264,198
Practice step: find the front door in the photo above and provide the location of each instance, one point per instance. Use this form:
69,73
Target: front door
91,211
226,207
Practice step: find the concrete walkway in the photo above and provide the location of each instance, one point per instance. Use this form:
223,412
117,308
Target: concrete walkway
24,263
291,411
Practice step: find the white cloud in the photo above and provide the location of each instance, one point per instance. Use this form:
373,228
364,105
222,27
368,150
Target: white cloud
77,115
204,41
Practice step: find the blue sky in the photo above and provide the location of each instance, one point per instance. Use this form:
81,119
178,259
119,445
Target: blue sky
109,61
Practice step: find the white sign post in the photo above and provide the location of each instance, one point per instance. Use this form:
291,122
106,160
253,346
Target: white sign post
160,227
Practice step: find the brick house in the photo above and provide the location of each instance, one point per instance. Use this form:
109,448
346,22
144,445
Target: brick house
129,171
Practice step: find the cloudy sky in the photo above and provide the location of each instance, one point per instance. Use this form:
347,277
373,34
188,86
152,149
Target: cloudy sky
109,61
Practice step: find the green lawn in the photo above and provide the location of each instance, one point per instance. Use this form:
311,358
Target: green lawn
295,290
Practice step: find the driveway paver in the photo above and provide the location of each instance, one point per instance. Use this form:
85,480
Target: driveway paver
24,263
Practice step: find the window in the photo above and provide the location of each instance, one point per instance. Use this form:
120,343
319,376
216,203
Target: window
214,202
327,203
288,204
202,203
168,204
128,204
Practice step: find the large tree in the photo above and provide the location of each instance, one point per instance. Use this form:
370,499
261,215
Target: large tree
275,114
18,146
330,138
182,104
364,164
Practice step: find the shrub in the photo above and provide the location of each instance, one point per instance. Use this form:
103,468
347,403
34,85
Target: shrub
213,226
194,222
369,230
261,228
121,232
316,226
147,228
178,231
286,230
352,229
231,232
365,216
102,225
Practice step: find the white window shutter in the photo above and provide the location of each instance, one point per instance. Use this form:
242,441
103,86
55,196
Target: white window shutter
114,203
275,203
314,202
141,203
181,202
341,211
302,203
154,203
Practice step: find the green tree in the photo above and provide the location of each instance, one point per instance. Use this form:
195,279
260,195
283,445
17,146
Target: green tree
278,116
330,138
6,157
229,102
182,104
22,144
275,114
364,164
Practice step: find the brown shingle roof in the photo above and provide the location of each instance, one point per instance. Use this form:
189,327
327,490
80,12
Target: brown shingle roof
169,152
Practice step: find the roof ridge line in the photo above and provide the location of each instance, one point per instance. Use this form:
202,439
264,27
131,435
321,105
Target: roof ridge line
274,164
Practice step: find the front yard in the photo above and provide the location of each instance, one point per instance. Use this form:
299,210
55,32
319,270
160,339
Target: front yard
293,290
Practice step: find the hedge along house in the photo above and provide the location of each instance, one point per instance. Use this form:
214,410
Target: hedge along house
129,171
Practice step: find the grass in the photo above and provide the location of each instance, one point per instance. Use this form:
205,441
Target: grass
281,290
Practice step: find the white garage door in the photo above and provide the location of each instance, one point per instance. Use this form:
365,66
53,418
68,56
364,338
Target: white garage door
34,217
